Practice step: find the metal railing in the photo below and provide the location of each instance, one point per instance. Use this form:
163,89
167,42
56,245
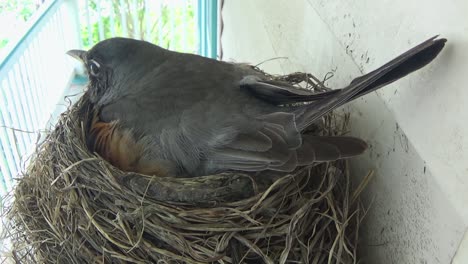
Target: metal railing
33,75
35,72
207,11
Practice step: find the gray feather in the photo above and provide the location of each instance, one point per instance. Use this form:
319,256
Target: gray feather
328,148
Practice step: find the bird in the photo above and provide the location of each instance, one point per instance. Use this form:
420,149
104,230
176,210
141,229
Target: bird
170,114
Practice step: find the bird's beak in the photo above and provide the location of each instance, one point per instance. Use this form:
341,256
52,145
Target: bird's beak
77,54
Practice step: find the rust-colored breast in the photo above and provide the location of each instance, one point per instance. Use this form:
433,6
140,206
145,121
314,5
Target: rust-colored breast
120,148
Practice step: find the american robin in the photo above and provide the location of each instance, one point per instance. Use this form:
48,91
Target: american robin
173,114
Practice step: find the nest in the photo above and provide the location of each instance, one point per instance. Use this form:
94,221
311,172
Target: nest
71,206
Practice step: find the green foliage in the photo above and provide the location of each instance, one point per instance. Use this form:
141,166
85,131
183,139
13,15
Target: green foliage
3,42
172,26
14,14
22,8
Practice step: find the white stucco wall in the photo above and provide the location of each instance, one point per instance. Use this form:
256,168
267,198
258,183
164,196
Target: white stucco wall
417,127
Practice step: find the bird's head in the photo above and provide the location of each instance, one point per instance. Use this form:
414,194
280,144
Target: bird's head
118,64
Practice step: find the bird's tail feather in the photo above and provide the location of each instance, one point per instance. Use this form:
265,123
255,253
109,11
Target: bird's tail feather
397,68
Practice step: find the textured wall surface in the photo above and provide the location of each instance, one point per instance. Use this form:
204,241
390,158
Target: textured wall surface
416,127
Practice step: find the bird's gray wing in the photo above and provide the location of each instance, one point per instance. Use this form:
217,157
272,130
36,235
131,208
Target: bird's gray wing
276,144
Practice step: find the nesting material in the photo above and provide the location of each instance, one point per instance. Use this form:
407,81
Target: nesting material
71,206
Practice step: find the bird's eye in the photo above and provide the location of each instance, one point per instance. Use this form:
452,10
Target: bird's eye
94,67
